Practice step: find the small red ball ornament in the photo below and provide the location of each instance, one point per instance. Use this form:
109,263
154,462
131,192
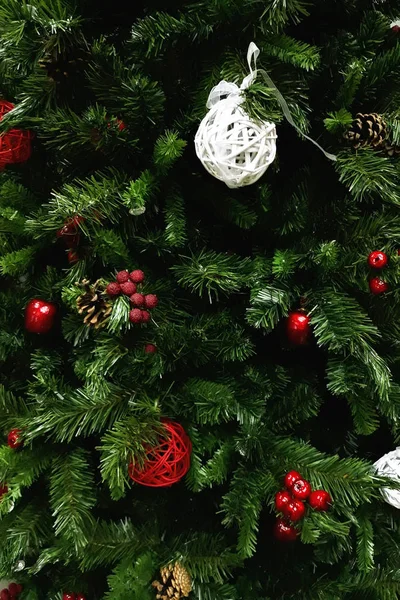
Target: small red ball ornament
137,299
122,277
298,328
113,289
294,510
14,439
5,594
69,596
39,316
284,531
320,500
150,349
150,301
135,315
301,489
80,597
145,316
377,259
291,478
137,276
282,499
167,462
378,286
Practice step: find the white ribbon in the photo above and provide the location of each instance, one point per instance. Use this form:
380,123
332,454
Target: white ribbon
226,89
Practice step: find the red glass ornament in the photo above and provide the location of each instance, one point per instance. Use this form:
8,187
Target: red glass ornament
377,259
291,478
69,596
301,489
80,597
150,348
5,594
73,257
39,316
151,301
378,286
294,510
320,500
298,328
284,531
137,276
14,439
282,499
122,276
167,462
15,144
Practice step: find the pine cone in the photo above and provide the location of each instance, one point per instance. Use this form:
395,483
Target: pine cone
182,580
392,149
176,583
94,304
367,130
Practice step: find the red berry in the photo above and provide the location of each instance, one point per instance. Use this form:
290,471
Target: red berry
145,316
378,286
150,348
128,288
320,500
294,510
282,499
396,28
69,596
151,301
377,260
122,277
5,594
137,276
137,299
3,489
80,597
14,589
291,478
121,127
113,289
39,316
298,328
73,257
301,489
284,531
135,316
19,588
14,439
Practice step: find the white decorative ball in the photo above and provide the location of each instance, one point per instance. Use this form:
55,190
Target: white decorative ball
389,466
233,147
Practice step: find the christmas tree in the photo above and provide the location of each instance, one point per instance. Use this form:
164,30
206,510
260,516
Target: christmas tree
197,379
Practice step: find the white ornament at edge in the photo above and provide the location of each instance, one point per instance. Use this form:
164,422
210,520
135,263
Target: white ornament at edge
389,466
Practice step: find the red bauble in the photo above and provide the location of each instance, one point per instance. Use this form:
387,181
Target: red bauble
39,316
69,596
137,276
291,478
14,439
284,531
122,277
282,499
167,462
3,489
295,510
137,299
377,259
15,589
150,348
301,489
145,316
80,597
298,328
378,286
70,232
151,301
128,288
135,315
113,289
5,594
15,144
320,500
73,257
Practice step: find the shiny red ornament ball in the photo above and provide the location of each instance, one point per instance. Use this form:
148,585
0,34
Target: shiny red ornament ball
73,257
298,328
282,499
150,348
69,233
80,597
5,594
137,276
14,439
167,462
135,316
301,489
39,316
113,289
137,299
145,316
151,300
284,531
15,589
294,510
320,500
69,596
291,478
378,286
122,277
128,288
377,259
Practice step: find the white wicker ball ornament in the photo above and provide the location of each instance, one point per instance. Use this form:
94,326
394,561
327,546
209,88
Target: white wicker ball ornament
389,466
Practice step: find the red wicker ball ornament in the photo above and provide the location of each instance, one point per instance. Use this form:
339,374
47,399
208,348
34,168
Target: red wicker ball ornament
167,462
15,144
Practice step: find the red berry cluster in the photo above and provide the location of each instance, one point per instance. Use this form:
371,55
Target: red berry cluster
290,502
14,439
126,283
69,233
12,592
377,260
73,596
